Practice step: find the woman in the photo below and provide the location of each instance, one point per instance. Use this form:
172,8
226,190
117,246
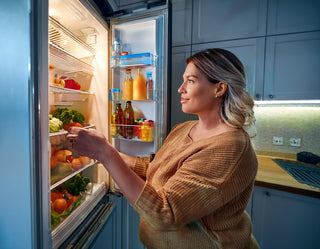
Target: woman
195,191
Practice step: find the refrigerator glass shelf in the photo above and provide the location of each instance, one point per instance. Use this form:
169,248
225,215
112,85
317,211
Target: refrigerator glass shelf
65,178
66,40
133,60
67,226
63,132
57,89
67,62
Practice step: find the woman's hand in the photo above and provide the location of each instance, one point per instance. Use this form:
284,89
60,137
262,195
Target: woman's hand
88,142
91,143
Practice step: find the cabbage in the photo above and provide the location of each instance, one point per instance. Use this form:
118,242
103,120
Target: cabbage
55,124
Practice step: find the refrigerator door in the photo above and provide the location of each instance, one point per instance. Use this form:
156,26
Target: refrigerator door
143,42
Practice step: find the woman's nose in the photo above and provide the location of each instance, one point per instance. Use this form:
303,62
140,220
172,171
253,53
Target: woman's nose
181,88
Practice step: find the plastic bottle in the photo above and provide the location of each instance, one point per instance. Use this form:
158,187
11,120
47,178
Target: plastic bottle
128,86
139,87
119,119
128,121
116,51
149,86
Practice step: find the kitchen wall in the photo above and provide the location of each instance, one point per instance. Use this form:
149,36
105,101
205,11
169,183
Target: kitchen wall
287,122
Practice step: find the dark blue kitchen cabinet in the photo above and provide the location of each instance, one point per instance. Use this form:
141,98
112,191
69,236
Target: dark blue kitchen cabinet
292,67
251,53
182,22
215,20
130,227
293,16
107,236
178,63
285,220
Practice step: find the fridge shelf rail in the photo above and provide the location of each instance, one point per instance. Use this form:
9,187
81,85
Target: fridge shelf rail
66,40
64,179
63,60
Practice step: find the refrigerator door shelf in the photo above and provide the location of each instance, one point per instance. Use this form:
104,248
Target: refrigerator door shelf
67,226
133,60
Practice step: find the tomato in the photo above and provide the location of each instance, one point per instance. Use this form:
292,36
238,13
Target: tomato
68,197
60,205
55,195
67,126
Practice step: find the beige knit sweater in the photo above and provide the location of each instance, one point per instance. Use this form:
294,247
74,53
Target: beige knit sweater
196,192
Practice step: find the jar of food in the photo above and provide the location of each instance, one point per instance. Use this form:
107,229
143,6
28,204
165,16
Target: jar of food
147,131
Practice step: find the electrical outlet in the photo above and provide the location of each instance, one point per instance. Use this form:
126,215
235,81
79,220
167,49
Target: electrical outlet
296,142
277,140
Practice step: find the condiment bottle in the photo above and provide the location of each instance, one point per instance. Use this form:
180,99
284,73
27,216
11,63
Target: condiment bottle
149,86
113,129
128,121
128,86
147,131
139,87
119,119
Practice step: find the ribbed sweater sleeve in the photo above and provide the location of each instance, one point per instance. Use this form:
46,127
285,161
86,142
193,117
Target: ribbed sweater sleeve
141,165
207,176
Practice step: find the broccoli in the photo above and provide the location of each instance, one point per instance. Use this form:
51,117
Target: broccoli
68,116
76,184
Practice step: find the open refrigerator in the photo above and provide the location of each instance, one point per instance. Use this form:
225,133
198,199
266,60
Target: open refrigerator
82,70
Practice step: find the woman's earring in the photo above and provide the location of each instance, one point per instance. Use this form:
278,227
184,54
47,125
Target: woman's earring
218,96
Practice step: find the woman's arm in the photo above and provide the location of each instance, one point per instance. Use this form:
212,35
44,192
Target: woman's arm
91,143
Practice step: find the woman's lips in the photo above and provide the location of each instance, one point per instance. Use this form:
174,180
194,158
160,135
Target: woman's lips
183,100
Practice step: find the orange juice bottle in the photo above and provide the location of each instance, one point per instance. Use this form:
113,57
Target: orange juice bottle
128,86
139,87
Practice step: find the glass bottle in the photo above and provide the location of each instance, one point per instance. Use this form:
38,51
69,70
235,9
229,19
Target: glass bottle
119,119
139,87
129,121
128,86
149,86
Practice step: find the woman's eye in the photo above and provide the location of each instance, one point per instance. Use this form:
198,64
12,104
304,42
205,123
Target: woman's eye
190,81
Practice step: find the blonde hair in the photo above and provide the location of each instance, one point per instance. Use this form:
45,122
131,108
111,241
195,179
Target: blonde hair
219,65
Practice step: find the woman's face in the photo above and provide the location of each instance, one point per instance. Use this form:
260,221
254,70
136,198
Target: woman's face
198,95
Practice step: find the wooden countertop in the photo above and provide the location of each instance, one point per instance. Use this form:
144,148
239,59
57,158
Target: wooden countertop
271,175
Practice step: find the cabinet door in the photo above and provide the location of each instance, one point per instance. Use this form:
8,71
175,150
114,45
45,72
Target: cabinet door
130,223
292,67
215,20
107,236
179,56
285,220
181,22
251,54
293,16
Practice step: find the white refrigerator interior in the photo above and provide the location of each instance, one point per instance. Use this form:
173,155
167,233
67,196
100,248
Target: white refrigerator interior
78,81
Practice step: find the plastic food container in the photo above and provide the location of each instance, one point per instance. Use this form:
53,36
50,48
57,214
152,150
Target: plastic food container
114,94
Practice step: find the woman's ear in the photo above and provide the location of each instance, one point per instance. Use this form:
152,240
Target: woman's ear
221,88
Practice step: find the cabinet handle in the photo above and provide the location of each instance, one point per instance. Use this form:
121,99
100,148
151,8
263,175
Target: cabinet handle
268,193
257,96
271,96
